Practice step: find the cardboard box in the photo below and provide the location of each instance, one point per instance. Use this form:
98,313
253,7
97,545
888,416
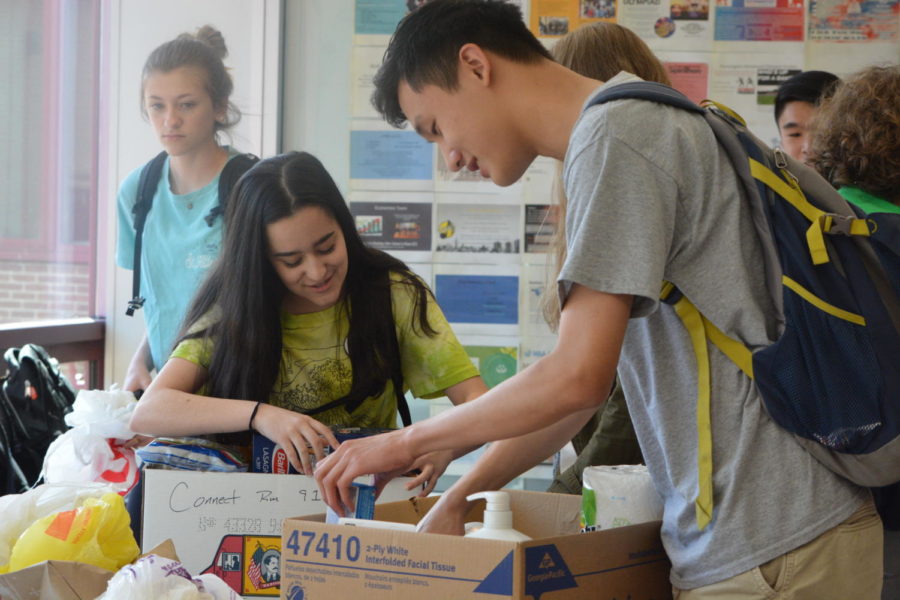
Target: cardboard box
63,579
322,560
229,524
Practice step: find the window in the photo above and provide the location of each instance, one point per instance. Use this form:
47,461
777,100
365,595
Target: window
49,74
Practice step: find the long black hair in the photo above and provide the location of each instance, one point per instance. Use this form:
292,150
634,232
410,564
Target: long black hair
242,295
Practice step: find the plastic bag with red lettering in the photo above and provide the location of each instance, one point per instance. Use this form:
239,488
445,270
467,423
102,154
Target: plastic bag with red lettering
94,449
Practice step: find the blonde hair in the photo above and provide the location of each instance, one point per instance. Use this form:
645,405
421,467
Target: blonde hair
599,51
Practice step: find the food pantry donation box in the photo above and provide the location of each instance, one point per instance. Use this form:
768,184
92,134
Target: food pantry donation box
230,523
321,560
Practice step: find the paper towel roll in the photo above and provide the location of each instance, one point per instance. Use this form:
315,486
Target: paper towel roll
614,496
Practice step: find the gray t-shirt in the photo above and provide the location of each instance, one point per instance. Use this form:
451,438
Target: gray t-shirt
652,198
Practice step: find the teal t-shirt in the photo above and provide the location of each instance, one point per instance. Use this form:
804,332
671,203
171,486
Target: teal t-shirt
866,201
178,248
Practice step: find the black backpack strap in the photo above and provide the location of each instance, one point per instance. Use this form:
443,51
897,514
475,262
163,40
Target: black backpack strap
646,90
231,172
147,184
397,379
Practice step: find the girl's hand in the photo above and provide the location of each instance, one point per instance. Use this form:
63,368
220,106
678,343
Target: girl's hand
447,516
431,467
297,434
138,441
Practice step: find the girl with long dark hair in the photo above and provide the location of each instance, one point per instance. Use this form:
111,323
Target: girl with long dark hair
296,314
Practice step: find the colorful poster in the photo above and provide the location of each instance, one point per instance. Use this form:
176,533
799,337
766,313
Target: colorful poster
556,18
854,20
496,364
393,225
669,24
759,20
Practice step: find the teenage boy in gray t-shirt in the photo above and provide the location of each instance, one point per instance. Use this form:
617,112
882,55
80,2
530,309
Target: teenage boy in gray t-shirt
651,198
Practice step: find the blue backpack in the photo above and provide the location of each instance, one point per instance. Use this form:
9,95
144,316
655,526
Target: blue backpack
833,376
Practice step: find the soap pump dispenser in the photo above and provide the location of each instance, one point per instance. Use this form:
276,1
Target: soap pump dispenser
497,518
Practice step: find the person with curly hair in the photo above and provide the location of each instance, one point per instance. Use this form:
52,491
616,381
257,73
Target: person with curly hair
856,139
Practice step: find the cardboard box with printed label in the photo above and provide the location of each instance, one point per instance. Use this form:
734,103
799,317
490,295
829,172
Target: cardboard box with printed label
321,560
229,524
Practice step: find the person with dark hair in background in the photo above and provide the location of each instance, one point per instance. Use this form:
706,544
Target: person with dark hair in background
651,198
298,314
795,105
185,91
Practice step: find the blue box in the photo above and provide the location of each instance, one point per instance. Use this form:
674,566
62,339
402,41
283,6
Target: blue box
269,457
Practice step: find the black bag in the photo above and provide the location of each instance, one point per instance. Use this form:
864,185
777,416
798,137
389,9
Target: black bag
149,180
34,400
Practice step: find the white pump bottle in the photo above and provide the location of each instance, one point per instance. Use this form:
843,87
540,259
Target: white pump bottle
497,518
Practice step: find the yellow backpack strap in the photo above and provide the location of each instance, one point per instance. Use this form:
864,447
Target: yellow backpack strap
693,322
706,103
820,221
700,329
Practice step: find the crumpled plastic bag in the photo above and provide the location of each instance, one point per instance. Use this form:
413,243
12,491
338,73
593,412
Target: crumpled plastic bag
19,511
96,533
93,450
153,577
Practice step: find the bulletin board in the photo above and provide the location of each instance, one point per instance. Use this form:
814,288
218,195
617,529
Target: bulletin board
483,248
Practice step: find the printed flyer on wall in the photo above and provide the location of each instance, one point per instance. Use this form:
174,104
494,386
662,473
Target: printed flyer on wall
496,363
532,288
759,20
464,180
556,18
540,227
389,159
854,20
394,226
376,20
747,82
668,24
364,63
484,229
479,299
688,72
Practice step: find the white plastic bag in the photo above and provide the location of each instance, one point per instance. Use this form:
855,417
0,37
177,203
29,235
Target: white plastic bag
153,577
93,450
614,496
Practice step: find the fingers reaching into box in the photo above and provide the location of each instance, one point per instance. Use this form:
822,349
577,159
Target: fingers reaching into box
296,433
383,453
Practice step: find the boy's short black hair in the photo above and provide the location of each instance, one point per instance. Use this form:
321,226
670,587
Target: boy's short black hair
807,86
425,47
